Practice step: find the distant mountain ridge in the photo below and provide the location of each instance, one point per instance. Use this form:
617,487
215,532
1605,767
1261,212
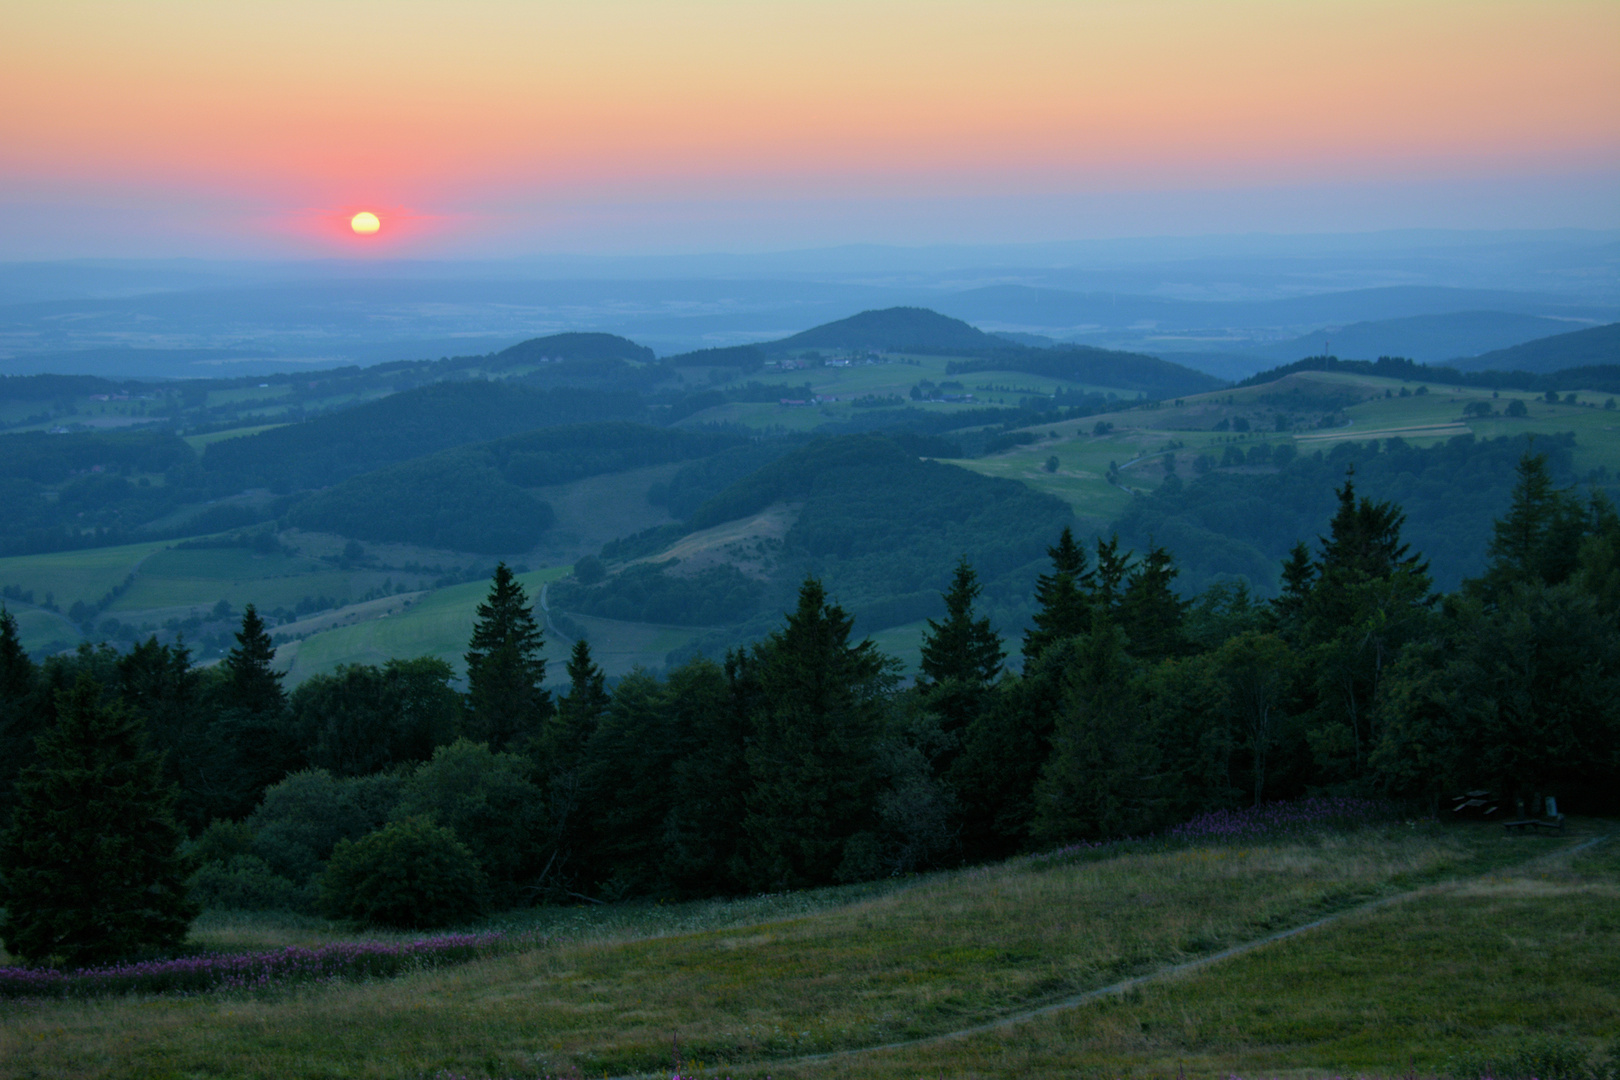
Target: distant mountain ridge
1428,339
1596,346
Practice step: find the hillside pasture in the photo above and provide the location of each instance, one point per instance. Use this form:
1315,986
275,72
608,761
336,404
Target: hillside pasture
1491,943
437,623
1361,408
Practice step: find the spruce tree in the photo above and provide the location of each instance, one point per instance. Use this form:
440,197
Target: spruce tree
815,732
505,668
564,769
961,659
578,713
1538,540
91,865
254,748
1298,577
1112,569
20,720
1149,612
158,684
1064,608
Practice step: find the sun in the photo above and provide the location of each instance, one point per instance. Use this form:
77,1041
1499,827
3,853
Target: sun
365,223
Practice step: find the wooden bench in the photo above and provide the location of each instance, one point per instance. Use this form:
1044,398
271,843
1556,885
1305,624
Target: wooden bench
1552,824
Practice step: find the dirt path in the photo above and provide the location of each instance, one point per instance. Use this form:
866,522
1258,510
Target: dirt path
1075,1000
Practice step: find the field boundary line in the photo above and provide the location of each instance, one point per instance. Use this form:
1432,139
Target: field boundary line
1124,985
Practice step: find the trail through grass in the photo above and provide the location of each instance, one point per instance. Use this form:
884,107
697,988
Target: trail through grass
842,971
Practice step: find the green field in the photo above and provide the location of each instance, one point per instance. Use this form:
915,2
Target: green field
198,442
1141,437
439,624
76,575
1494,942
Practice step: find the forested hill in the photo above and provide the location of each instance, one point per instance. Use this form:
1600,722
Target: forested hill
881,525
471,498
899,329
1592,347
1244,523
322,451
575,346
928,333
1604,378
1135,372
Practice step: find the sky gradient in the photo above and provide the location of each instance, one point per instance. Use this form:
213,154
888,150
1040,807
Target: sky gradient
501,128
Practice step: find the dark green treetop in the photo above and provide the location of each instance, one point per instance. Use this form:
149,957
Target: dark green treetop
252,684
962,647
1149,612
1061,597
505,667
961,660
814,733
92,870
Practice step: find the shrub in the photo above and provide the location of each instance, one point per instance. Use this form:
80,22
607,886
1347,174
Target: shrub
411,874
305,815
246,883
488,802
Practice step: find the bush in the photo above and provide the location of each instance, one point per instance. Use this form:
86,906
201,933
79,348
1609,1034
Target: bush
305,815
410,874
246,883
488,803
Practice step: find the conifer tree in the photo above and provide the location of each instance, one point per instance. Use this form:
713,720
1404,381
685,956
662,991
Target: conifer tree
254,745
19,713
253,684
1112,569
1538,540
505,668
1149,612
569,728
1298,576
961,659
90,863
812,754
562,763
1064,609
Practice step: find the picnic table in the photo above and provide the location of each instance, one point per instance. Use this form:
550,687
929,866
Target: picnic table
1552,824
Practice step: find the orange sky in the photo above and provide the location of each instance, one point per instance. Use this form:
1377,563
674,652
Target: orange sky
467,113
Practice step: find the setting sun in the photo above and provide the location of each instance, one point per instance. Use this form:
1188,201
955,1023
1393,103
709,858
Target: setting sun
365,222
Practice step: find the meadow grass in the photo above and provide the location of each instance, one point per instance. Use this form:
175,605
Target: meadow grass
752,984
1464,975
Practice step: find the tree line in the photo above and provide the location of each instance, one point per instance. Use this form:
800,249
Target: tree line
804,758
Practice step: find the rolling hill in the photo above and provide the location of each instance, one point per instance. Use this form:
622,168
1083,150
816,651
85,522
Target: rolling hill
900,329
1593,347
1425,338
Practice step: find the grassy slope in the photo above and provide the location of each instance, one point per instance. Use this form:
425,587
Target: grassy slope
1141,436
439,624
842,970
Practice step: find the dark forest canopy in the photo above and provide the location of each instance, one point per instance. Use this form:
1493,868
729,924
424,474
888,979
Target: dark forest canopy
803,759
407,425
875,520
471,498
1241,524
